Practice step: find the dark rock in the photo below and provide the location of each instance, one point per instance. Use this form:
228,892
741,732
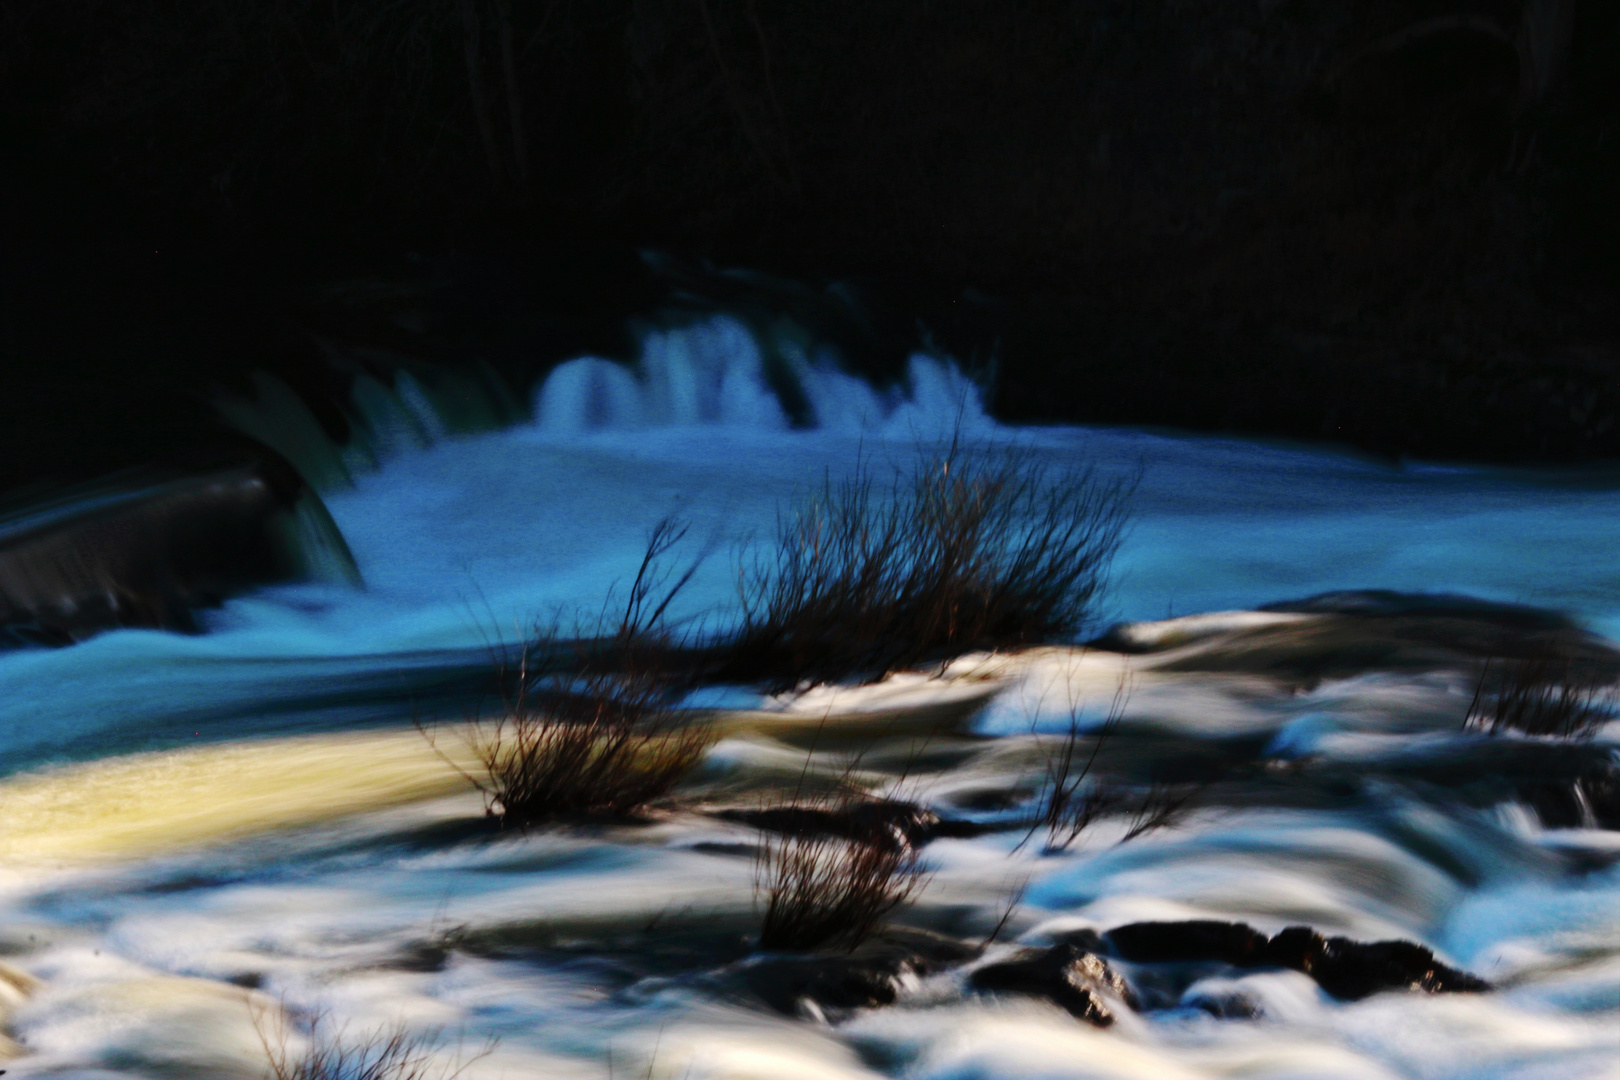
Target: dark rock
1344,968
841,982
1600,788
868,977
1347,633
1087,940
1590,798
1375,603
1294,947
1080,981
1567,784
885,822
1197,939
1352,970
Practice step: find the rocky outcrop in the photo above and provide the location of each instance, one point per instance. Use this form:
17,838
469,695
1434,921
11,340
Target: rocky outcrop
1079,981
1347,969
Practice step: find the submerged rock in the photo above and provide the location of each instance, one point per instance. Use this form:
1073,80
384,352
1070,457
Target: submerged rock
836,982
1349,970
872,975
1065,974
1340,634
885,822
1589,799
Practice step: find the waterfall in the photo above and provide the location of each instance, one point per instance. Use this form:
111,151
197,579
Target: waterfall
720,372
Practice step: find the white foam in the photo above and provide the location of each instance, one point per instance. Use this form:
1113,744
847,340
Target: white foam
713,373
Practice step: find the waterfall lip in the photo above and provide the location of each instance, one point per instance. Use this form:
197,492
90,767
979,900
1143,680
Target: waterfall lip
148,548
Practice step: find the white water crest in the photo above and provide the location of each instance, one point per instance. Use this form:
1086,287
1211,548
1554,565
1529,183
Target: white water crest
207,838
714,372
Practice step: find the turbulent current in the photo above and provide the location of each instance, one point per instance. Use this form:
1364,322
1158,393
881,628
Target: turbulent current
209,841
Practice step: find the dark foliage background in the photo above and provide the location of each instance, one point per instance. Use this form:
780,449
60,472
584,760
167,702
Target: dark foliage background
1391,222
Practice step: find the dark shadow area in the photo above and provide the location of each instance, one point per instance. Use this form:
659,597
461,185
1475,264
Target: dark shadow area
1389,223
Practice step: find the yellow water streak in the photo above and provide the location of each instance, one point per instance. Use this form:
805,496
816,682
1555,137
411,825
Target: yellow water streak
145,804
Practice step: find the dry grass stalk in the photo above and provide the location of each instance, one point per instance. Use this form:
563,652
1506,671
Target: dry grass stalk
1539,695
1075,801
1160,807
970,552
1072,805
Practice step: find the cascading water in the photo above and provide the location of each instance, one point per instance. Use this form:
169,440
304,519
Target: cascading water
206,839
715,372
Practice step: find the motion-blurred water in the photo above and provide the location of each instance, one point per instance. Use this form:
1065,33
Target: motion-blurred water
197,824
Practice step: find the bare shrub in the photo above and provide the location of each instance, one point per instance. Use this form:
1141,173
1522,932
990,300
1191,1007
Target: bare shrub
826,885
1071,805
599,743
1075,801
595,733
1539,695
824,891
1161,806
971,551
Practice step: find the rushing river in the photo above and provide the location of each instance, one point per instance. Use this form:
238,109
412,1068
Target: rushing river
201,836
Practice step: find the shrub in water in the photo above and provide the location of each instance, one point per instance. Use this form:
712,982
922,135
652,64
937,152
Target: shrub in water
971,551
821,890
595,744
1539,695
599,736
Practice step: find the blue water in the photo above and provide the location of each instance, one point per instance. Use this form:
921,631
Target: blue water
468,544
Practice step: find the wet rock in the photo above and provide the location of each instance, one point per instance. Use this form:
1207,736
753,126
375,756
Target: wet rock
1384,603
1600,790
1340,634
839,982
886,822
1344,968
1351,970
1567,784
1080,981
870,976
1194,940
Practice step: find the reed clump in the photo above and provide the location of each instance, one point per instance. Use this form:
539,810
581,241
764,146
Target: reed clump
1540,695
969,551
603,743
595,732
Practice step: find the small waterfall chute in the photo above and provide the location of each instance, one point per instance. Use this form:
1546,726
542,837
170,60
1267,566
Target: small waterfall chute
277,417
589,393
